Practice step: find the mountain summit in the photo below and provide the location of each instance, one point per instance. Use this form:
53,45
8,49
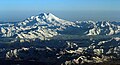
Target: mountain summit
47,37
47,25
41,26
48,16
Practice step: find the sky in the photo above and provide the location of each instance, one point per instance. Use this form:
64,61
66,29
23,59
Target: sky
17,10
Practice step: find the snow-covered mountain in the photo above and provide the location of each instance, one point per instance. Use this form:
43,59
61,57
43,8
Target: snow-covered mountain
44,26
71,51
79,42
99,28
41,26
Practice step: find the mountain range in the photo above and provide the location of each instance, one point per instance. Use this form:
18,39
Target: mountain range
47,25
54,41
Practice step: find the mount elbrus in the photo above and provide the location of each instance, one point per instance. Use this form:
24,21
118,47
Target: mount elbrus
47,37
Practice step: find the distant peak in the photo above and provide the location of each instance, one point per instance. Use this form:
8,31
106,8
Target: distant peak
49,13
43,14
48,16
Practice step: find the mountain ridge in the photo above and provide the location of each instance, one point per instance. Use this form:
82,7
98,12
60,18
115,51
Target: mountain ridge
47,25
44,37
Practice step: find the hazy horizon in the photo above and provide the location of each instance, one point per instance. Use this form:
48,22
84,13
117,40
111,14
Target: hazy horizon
71,16
12,10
